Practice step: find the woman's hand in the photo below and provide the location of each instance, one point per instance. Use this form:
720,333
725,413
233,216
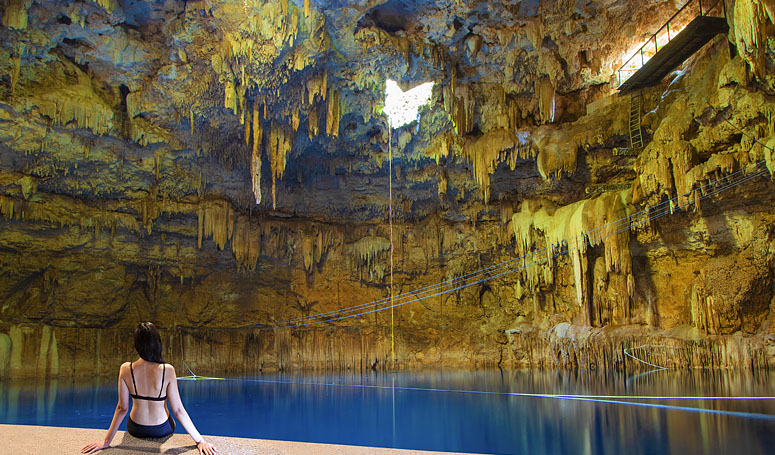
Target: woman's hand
94,447
205,448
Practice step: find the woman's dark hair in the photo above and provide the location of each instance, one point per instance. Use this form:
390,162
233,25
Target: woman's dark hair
148,342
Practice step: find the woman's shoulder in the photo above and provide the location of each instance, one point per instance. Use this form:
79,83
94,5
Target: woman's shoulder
124,369
168,368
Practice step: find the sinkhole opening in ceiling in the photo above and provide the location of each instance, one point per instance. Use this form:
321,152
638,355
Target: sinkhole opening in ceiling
402,108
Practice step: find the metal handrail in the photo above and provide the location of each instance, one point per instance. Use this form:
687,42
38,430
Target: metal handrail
702,12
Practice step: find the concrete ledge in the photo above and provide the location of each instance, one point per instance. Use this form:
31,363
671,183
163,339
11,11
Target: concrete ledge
58,440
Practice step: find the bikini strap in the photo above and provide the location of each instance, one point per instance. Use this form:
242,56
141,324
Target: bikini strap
133,377
163,370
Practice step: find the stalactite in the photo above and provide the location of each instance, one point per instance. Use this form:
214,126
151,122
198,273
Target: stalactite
442,187
245,244
577,227
313,123
460,104
514,113
293,29
15,14
404,46
295,120
7,208
546,98
324,85
77,102
557,153
255,161
280,143
486,152
241,104
28,186
17,65
191,120
247,124
200,225
238,46
107,4
333,113
230,96
439,148
216,220
366,252
750,27
307,251
306,8
315,245
535,32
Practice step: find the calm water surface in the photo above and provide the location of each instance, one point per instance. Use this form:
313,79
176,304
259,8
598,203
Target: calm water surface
434,411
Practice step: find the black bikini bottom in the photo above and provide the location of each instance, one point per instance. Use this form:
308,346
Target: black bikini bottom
151,431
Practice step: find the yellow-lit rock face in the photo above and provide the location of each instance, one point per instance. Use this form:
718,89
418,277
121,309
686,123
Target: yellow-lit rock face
139,145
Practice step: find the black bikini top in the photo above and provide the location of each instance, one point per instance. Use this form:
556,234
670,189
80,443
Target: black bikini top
159,398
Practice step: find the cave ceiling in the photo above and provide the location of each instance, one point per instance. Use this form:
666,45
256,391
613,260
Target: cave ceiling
112,101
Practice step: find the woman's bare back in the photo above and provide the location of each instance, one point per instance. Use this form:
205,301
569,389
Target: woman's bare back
151,380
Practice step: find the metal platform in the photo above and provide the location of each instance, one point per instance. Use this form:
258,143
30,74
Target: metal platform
699,31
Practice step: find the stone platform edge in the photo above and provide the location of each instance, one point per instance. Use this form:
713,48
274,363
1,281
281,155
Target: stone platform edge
31,439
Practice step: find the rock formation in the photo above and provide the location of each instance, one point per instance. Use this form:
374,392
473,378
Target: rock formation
221,168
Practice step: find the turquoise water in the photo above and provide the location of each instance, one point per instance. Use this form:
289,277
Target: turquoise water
469,411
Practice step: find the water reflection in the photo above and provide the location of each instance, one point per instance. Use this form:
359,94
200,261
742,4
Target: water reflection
431,410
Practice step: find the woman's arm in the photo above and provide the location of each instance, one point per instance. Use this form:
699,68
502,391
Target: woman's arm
121,410
176,406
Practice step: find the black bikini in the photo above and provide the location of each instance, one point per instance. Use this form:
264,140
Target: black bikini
149,431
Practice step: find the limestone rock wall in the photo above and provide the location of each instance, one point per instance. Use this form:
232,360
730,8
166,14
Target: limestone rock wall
220,168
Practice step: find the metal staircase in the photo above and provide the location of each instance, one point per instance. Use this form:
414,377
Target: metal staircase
636,137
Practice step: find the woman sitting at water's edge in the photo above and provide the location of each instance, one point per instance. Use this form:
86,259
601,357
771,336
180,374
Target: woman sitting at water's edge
149,417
